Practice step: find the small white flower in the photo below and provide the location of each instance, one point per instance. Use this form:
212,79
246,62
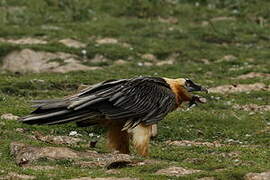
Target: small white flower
84,52
73,133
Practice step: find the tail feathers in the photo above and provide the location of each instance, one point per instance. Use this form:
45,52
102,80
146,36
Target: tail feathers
58,117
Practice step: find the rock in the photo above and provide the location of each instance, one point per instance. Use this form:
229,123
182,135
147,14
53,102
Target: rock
107,41
205,61
113,171
99,59
27,40
167,62
177,171
27,60
72,43
149,57
120,62
25,154
74,65
9,116
239,88
253,75
15,176
21,130
258,176
194,143
57,139
108,161
114,161
147,64
227,58
112,41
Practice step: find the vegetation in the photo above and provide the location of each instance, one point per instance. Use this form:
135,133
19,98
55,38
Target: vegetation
201,32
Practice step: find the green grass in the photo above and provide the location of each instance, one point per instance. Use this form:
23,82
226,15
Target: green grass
137,23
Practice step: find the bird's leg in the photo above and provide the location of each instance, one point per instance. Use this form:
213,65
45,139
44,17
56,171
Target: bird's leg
141,137
154,130
117,139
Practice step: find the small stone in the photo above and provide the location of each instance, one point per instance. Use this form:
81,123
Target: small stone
14,175
120,62
107,41
167,62
9,116
72,43
149,57
73,133
140,64
177,171
258,176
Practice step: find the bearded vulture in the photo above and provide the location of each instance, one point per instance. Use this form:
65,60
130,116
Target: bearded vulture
127,107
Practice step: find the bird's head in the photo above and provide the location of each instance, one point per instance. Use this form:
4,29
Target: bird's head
190,86
183,88
186,87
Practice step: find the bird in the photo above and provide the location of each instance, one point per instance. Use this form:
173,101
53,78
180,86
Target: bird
128,108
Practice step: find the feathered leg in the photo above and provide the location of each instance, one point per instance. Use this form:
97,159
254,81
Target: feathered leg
154,130
141,137
117,139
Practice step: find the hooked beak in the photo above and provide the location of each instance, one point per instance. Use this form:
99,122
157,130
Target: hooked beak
191,86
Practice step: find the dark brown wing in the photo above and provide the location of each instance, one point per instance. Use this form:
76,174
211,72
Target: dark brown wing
143,99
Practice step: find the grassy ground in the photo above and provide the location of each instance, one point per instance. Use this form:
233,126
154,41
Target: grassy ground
194,34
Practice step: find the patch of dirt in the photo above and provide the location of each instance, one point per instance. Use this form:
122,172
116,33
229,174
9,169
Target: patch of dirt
252,107
207,178
113,171
146,162
176,171
239,88
107,178
156,62
149,57
13,175
167,62
27,60
27,40
9,116
25,154
253,75
227,58
40,167
98,59
194,143
58,139
108,40
223,18
120,62
169,20
72,43
258,176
